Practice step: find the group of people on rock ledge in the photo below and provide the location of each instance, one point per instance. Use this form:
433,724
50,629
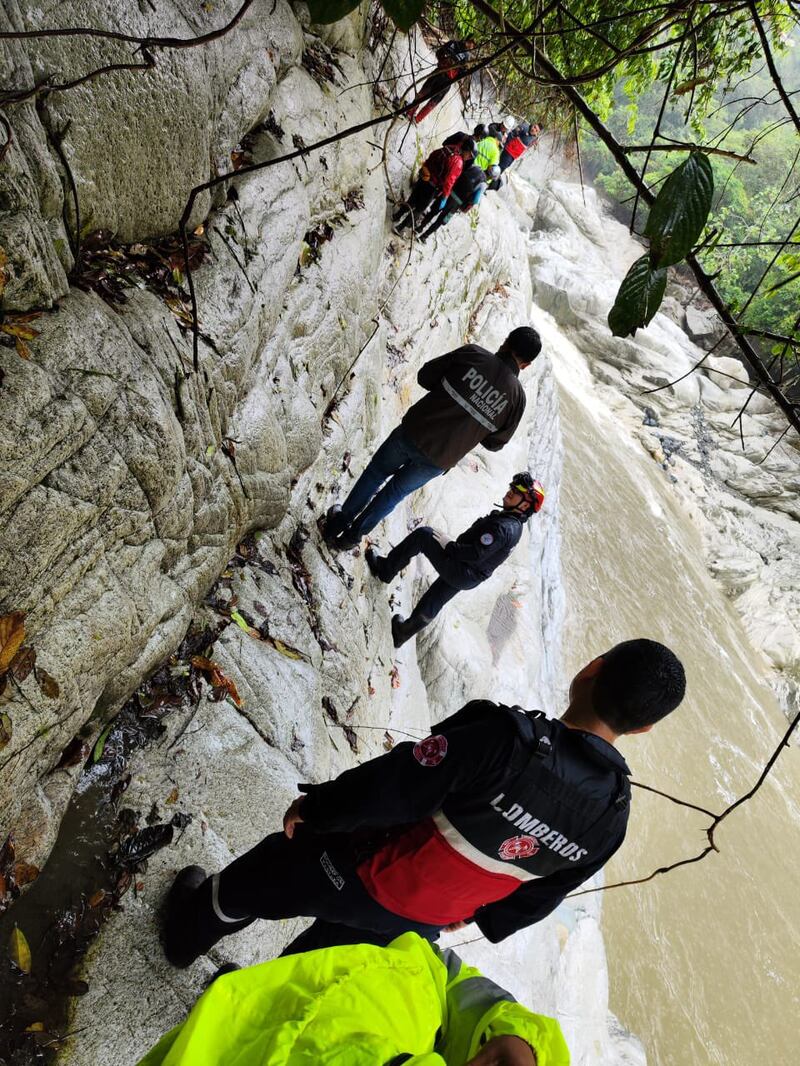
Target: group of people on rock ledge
490,821
454,177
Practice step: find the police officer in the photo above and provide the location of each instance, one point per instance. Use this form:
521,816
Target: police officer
493,820
474,397
462,563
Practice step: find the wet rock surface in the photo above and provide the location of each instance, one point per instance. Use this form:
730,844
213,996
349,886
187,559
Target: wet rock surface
122,504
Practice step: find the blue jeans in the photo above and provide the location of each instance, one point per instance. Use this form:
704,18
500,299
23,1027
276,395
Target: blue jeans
400,461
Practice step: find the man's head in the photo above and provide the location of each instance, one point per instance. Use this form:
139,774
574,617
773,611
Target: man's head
524,343
630,687
479,132
506,1051
467,148
525,494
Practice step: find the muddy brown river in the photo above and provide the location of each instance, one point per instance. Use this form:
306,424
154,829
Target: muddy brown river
704,961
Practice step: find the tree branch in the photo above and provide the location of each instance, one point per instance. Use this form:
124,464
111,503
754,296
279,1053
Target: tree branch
773,70
704,281
681,147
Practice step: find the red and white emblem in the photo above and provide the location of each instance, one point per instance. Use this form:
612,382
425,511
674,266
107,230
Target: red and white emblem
518,848
431,750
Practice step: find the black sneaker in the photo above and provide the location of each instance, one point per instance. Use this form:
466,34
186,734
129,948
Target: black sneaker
177,933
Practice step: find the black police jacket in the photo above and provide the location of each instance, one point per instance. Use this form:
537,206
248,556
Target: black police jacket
487,543
475,397
495,817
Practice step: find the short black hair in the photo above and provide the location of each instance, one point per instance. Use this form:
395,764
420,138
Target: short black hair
467,145
639,683
479,131
525,343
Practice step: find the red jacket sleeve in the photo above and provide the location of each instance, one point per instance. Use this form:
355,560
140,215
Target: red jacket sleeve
452,174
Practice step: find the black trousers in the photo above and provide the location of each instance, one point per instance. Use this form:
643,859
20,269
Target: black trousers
422,195
309,876
453,577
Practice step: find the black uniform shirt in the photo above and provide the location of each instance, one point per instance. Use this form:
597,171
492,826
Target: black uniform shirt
475,397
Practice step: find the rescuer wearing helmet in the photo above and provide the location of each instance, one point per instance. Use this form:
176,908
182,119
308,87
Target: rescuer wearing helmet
462,563
493,820
362,1005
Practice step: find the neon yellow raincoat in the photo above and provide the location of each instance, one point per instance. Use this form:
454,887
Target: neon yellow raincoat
487,152
355,1005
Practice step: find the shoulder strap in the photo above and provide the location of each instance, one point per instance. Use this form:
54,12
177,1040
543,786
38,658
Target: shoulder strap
536,729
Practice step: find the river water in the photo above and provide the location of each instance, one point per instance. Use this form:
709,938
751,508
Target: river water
704,961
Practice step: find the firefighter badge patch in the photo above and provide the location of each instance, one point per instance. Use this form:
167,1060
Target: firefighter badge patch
518,848
431,750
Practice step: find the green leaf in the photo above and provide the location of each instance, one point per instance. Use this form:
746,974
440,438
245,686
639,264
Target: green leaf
404,13
19,950
330,10
97,753
638,299
680,211
241,622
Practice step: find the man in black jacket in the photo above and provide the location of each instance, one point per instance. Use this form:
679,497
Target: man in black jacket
474,397
493,820
462,563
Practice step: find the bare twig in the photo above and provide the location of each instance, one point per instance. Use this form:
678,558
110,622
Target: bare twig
717,819
678,146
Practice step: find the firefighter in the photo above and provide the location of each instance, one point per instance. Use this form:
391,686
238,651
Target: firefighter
463,563
492,819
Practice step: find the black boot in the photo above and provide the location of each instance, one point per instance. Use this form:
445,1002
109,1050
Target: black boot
377,566
191,926
334,524
403,629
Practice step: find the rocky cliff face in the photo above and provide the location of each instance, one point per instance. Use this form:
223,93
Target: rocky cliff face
122,503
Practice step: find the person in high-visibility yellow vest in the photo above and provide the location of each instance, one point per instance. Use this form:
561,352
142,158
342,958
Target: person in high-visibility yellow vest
361,1005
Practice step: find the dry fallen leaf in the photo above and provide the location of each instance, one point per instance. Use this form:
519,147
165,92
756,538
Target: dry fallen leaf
6,730
12,634
16,326
18,950
172,797
388,741
287,649
25,873
217,680
46,683
97,898
23,663
394,674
